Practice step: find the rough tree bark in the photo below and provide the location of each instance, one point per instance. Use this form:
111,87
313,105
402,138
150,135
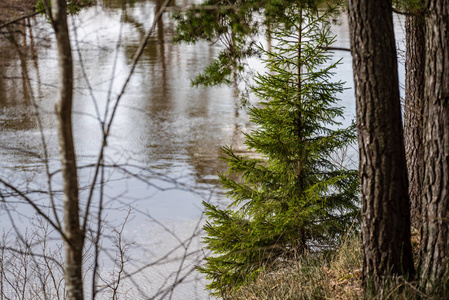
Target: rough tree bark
74,236
383,176
414,111
434,270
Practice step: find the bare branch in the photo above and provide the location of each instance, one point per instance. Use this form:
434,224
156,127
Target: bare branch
21,18
135,60
334,48
35,207
404,13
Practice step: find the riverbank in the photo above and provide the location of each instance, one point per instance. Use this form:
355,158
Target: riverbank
13,9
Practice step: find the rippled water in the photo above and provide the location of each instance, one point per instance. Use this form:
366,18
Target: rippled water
166,133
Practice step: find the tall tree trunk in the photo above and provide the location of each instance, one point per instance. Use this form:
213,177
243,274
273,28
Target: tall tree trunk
435,231
74,236
414,112
383,177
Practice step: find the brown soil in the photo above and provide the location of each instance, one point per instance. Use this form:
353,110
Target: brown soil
13,9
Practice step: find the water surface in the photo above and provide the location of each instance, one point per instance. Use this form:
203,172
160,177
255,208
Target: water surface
165,138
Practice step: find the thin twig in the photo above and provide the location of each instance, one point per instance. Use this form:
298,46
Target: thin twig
36,208
327,48
405,13
22,18
114,110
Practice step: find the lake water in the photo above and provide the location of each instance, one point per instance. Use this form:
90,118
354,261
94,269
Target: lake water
162,154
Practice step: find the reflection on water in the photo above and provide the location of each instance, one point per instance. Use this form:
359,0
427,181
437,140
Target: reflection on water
160,118
168,133
164,130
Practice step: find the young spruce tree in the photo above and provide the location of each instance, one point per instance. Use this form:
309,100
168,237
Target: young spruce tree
295,198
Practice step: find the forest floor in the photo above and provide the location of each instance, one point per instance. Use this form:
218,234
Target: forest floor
13,9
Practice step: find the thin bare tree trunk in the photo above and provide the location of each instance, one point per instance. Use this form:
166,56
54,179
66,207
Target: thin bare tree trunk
434,252
299,129
299,116
383,176
74,235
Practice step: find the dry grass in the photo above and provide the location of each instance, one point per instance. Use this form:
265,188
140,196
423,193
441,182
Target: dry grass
337,276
